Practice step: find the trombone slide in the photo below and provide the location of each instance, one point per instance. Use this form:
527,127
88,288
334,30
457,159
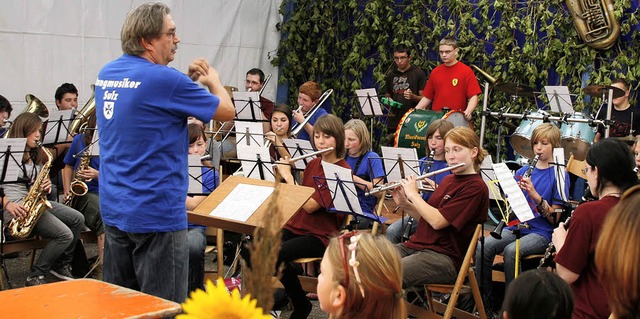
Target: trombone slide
421,177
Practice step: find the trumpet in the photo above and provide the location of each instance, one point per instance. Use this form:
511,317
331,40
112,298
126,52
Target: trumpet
299,126
421,177
295,159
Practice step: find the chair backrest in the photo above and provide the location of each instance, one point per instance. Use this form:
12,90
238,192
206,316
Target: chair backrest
464,271
577,167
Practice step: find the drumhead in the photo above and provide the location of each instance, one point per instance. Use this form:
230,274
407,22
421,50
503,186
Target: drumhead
457,119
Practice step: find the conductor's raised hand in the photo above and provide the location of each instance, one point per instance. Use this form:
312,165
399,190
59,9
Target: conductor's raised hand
198,67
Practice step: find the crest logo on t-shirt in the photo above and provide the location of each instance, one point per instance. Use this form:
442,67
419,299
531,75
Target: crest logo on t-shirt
108,109
454,82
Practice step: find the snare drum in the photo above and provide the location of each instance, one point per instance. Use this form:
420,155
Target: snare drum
576,138
412,130
521,137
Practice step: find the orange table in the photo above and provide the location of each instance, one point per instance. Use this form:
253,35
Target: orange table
83,298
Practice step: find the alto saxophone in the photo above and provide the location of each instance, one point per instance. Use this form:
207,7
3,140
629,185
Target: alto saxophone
78,187
35,202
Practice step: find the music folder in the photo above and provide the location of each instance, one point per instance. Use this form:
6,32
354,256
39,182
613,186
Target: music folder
292,197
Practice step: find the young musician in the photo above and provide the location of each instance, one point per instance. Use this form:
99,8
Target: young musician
543,196
626,118
365,164
5,113
308,96
61,224
435,143
361,277
307,233
609,173
538,294
196,237
447,221
88,204
280,129
617,256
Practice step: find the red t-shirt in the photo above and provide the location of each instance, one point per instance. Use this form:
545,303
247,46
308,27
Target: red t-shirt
321,224
577,255
463,200
451,86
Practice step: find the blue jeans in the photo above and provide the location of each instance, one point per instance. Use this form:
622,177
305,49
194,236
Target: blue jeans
197,241
62,225
529,244
396,230
153,263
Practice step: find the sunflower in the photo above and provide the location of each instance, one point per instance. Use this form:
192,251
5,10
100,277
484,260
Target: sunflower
216,302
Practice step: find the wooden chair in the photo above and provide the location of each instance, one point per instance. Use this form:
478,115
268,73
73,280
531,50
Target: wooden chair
455,290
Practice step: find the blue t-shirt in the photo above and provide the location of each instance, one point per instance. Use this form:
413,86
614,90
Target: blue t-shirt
303,135
142,111
544,181
369,168
437,164
77,146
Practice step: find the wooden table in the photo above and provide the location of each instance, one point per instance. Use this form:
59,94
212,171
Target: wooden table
83,298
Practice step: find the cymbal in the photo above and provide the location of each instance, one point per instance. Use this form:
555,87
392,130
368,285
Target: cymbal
515,89
629,139
603,90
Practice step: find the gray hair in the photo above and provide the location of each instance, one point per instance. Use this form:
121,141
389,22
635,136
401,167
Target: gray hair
144,22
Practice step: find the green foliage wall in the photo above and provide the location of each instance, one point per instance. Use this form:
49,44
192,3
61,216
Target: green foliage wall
347,45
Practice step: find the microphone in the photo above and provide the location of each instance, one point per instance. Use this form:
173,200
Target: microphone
389,102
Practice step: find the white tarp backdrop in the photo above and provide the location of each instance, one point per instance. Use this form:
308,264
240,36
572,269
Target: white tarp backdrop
44,43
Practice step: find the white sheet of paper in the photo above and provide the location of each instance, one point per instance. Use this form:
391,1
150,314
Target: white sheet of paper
409,160
95,147
16,152
243,106
238,206
366,103
248,134
298,147
248,155
560,171
515,197
340,202
57,131
559,98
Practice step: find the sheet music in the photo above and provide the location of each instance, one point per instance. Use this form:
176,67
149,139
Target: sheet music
297,147
514,193
238,205
57,130
560,169
340,202
254,137
363,97
95,145
14,158
488,175
409,160
248,156
243,102
559,99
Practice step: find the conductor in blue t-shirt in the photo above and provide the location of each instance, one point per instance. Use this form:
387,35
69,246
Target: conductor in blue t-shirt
142,107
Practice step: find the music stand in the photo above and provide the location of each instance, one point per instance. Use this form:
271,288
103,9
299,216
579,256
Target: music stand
369,105
399,162
344,196
292,199
246,133
197,185
247,106
57,127
11,162
559,99
298,147
256,163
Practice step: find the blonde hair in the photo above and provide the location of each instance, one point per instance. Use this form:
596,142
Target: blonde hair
546,131
618,258
362,132
467,138
380,271
449,41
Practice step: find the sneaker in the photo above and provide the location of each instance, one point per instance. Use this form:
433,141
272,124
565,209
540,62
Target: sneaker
34,281
62,272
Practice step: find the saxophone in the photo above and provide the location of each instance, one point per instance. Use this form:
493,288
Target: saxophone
35,202
78,187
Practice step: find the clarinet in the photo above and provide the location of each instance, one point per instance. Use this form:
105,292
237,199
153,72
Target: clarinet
547,259
410,221
534,161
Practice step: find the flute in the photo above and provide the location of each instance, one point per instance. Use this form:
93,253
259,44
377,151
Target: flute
295,159
421,177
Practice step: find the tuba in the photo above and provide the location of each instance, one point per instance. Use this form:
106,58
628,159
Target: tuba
34,105
595,22
35,202
79,122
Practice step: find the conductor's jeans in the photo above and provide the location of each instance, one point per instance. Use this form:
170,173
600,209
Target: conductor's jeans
153,263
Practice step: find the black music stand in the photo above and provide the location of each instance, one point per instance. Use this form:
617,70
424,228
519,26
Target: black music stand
256,163
298,147
57,127
11,166
196,182
370,106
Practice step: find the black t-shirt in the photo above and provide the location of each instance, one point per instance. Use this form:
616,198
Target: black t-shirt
622,121
396,83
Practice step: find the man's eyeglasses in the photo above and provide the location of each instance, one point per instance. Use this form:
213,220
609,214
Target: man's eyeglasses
171,34
353,237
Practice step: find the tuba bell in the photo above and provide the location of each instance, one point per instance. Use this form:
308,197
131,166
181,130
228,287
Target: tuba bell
487,76
595,22
79,122
34,105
